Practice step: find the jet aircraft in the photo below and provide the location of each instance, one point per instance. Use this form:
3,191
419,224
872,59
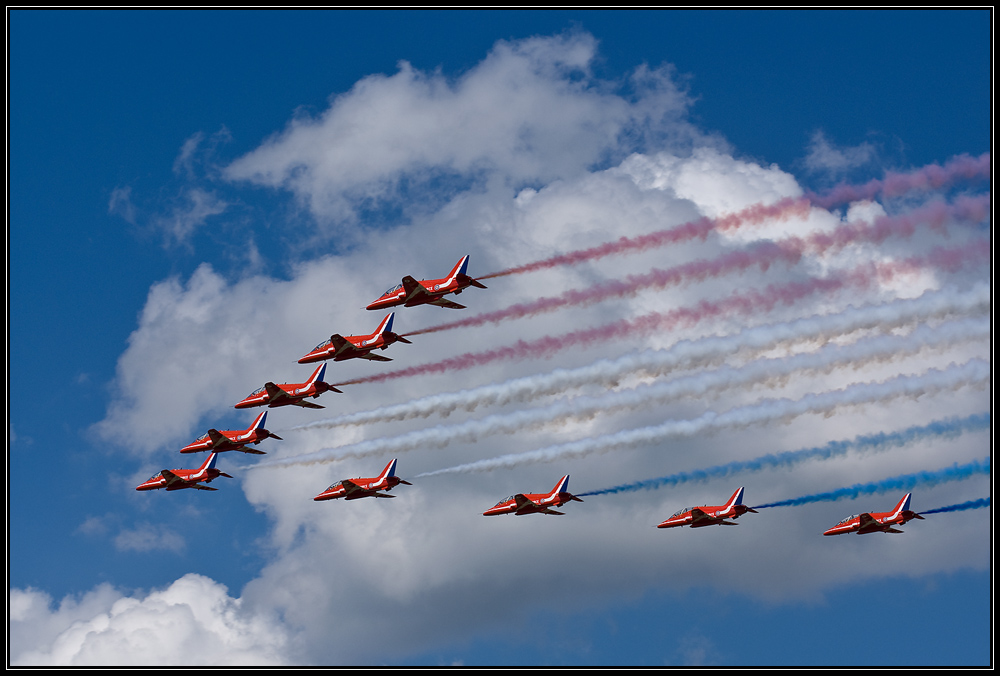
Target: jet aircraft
340,348
233,440
288,394
533,503
873,522
710,515
365,487
176,479
429,291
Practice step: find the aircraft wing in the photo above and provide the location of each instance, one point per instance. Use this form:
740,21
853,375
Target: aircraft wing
171,477
866,520
444,302
217,437
247,449
200,487
352,490
274,393
341,344
413,289
524,505
700,518
307,404
374,357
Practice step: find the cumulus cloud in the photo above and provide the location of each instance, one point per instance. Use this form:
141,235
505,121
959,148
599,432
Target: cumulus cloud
194,621
825,158
197,205
541,159
149,537
530,112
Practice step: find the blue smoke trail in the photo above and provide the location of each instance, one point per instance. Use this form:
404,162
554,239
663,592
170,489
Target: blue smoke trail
971,504
902,482
948,428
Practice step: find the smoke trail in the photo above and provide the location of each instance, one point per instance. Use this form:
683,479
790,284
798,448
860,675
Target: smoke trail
698,229
931,177
763,371
971,504
684,354
894,184
741,303
949,428
975,372
761,255
903,482
881,348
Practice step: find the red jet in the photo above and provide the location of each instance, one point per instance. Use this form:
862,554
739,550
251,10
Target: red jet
710,515
176,479
429,291
233,440
533,503
287,394
874,522
352,489
340,348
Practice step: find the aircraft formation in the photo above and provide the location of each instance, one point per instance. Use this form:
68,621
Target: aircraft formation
410,293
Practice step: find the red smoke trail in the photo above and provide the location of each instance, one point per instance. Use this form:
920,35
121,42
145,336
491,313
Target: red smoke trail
930,177
757,213
762,255
740,303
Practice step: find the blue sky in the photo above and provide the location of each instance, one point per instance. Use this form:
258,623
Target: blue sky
198,198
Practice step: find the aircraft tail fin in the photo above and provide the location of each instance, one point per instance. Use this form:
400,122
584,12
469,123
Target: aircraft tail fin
737,498
386,325
460,268
562,486
390,470
259,422
902,506
318,375
209,462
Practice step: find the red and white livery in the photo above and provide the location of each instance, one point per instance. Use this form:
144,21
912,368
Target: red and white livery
877,522
410,292
233,440
710,515
339,348
535,503
366,487
287,394
176,479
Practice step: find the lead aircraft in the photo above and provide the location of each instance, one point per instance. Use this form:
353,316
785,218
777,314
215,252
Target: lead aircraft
535,503
288,394
429,291
233,440
874,522
365,487
710,515
339,348
176,479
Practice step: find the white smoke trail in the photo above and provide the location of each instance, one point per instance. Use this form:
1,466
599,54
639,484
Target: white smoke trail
760,372
684,354
769,410
975,372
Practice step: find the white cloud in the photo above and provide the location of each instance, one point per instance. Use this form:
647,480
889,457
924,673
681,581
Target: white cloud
120,204
530,112
370,580
192,622
147,537
197,206
825,158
